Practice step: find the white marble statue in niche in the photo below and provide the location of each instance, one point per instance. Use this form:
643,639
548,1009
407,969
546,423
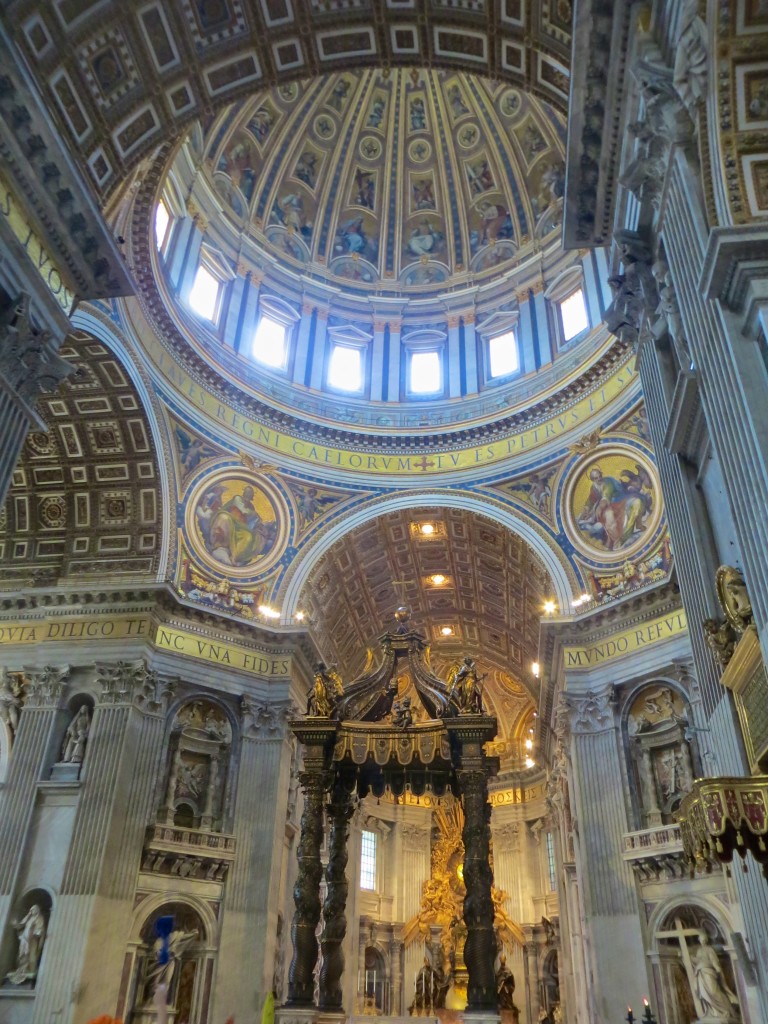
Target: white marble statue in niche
30,931
696,972
200,743
657,725
76,737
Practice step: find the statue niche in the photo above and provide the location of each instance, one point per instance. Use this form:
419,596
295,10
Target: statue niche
74,741
696,972
169,966
657,725
199,753
29,924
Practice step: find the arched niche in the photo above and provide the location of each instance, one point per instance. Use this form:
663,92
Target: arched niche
662,761
198,766
71,739
188,971
695,973
23,945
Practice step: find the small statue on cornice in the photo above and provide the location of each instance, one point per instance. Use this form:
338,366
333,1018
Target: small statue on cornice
733,597
402,713
691,59
721,640
464,687
327,688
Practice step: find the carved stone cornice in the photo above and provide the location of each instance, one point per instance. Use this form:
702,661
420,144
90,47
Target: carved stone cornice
264,721
39,166
45,687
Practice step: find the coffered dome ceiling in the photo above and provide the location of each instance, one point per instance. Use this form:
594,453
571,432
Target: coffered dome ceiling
407,178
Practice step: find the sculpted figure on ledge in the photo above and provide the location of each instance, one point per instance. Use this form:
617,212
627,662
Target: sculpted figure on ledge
326,690
464,687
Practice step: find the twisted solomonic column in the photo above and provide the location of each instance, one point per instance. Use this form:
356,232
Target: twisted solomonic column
334,908
317,737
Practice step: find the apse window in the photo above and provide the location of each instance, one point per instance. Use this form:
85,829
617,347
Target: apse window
270,343
345,370
425,373
573,315
162,223
503,355
551,862
368,861
204,293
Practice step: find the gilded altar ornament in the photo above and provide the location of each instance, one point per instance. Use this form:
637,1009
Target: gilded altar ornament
721,640
442,905
733,597
402,713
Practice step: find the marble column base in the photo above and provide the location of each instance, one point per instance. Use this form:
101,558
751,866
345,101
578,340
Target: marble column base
299,1015
482,1017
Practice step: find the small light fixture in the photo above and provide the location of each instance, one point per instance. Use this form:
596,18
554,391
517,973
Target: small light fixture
550,607
447,631
427,529
438,579
530,763
269,613
300,616
536,668
529,744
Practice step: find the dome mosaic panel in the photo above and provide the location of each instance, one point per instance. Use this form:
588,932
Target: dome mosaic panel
412,179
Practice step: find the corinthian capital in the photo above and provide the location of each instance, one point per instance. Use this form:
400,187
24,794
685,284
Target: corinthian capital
590,712
264,721
120,681
29,363
45,686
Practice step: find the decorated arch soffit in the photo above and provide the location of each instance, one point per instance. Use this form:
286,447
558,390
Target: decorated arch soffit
89,57
87,495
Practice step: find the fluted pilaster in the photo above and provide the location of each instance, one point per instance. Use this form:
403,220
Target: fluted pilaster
43,692
250,902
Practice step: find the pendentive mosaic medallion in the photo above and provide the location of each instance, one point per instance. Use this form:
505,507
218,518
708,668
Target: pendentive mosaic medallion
235,523
612,507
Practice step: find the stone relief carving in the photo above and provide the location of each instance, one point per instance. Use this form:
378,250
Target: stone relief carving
658,727
30,933
691,58
201,736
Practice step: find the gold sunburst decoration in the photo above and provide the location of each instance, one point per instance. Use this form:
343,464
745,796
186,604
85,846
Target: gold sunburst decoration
442,899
